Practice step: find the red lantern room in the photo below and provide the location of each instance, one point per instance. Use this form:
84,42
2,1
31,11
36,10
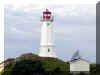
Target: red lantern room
47,16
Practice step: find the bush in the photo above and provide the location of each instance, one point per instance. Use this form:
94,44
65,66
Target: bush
28,67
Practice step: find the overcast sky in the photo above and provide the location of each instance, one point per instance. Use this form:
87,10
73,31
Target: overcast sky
74,27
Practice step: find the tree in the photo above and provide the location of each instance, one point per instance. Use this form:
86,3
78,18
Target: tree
26,67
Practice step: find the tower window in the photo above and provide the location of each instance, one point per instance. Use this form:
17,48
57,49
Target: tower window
48,50
48,23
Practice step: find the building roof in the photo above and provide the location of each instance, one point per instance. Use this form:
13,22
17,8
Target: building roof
46,12
75,60
76,57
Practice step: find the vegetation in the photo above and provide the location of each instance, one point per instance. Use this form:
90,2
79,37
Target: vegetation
31,64
1,63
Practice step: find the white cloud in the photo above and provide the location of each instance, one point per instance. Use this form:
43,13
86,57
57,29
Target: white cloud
76,10
80,10
26,2
43,3
15,33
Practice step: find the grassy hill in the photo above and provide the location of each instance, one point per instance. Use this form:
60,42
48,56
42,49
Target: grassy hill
31,64
48,63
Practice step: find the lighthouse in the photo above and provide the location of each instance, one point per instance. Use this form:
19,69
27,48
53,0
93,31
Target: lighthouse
47,46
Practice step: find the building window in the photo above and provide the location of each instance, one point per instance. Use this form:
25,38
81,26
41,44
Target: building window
48,50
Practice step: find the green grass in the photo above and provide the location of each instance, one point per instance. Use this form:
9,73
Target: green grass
1,63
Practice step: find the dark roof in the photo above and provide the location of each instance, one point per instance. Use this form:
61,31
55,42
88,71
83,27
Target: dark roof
47,12
74,60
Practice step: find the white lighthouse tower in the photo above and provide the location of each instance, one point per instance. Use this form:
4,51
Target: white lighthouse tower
47,47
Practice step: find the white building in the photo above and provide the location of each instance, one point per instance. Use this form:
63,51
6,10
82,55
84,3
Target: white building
79,64
47,47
